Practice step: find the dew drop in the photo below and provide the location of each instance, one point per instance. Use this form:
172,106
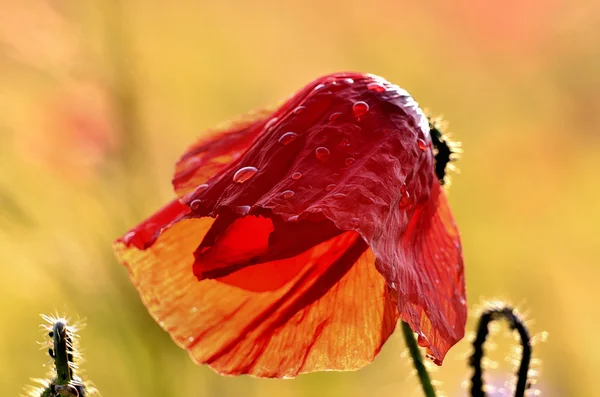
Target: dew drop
287,194
242,210
195,204
194,309
348,81
339,195
200,188
128,238
335,116
296,175
299,109
319,87
359,109
190,339
244,173
422,144
349,161
377,87
288,138
405,200
270,123
345,143
322,154
330,187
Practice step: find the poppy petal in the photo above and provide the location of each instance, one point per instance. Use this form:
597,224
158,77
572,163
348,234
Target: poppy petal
234,243
426,269
325,309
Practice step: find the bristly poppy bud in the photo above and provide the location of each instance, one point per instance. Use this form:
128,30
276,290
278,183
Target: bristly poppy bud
303,234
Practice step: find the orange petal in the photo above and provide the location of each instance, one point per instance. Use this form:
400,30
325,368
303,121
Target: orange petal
325,309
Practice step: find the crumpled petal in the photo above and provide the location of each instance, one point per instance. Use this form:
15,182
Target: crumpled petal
325,309
425,267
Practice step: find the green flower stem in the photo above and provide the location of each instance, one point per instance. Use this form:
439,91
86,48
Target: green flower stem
415,353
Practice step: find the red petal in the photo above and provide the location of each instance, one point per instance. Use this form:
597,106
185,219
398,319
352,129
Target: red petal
426,268
325,309
234,243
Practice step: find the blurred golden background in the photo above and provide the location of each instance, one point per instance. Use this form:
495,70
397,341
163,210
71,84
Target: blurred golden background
98,99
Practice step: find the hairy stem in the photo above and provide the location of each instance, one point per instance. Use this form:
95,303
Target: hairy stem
415,353
516,324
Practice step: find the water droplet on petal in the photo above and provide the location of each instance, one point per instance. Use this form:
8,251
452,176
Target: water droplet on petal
287,138
190,339
296,175
244,173
348,81
330,187
319,87
322,154
422,144
270,123
334,116
242,210
339,195
359,109
349,161
200,188
299,109
195,204
197,192
194,309
377,87
293,218
287,194
404,200
345,143
127,238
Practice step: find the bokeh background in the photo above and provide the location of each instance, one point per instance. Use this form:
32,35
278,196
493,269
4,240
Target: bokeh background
98,99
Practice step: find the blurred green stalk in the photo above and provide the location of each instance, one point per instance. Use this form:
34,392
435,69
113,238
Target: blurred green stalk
415,353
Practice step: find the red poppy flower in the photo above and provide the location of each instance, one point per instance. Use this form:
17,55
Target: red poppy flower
301,236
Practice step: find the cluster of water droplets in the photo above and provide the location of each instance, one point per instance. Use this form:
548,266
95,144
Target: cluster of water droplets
404,198
195,204
359,110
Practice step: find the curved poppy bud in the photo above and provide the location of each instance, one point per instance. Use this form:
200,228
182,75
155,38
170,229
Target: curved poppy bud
300,237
